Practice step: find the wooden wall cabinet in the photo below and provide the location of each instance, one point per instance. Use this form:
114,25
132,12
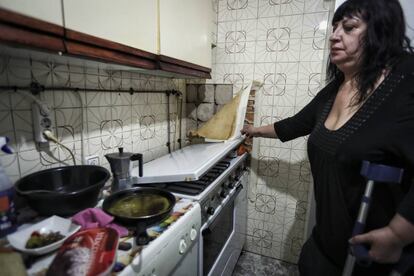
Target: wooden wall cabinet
167,35
45,10
185,30
129,22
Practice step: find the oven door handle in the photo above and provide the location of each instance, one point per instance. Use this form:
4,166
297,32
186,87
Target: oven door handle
213,223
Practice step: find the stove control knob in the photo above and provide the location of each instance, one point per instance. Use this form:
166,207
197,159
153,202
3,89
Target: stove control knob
193,234
182,246
223,194
231,185
211,210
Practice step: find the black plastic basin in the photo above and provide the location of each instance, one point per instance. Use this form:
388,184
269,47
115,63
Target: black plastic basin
63,191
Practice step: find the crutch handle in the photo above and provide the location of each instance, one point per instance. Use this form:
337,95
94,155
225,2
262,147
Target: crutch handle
360,251
381,173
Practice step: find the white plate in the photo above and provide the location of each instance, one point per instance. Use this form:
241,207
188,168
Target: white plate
64,226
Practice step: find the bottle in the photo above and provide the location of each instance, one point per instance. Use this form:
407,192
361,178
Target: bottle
8,218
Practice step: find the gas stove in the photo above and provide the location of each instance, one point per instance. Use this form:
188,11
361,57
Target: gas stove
213,187
214,176
207,173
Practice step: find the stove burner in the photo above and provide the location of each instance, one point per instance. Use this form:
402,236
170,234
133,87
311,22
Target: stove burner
194,187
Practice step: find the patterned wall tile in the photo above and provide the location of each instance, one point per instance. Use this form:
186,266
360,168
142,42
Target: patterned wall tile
242,76
18,71
288,50
315,25
313,49
68,123
225,52
32,160
268,29
246,30
246,53
11,165
96,99
318,5
121,99
227,10
292,26
301,142
285,96
98,121
269,8
288,7
304,95
224,73
288,38
265,52
67,99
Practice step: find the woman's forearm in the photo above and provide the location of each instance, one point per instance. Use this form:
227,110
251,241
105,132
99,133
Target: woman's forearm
262,131
267,131
403,229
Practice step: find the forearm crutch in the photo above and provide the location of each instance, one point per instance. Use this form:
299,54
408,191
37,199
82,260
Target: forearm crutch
373,173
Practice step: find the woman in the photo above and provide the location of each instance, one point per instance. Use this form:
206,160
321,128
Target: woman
366,112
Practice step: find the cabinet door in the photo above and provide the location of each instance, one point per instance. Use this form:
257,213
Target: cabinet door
46,10
129,22
185,30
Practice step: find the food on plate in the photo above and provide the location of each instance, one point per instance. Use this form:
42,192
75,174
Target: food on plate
38,239
138,205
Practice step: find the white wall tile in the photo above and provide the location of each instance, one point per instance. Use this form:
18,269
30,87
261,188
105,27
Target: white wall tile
248,9
291,25
226,12
291,6
315,25
317,5
288,38
268,8
11,166
32,161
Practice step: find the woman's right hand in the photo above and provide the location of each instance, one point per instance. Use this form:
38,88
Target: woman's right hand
249,131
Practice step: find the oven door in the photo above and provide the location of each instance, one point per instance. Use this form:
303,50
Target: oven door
217,232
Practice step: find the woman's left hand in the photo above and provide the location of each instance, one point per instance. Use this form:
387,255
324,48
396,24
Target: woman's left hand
385,245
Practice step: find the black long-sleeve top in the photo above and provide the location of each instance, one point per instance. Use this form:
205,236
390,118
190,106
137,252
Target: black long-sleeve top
381,131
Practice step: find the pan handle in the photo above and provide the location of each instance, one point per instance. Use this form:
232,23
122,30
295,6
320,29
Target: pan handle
141,237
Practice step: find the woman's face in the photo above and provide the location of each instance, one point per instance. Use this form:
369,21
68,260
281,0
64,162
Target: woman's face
345,42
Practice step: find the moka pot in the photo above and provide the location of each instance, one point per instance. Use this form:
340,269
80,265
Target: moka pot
121,166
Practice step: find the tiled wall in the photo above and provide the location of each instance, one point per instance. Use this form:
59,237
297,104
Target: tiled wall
280,43
136,122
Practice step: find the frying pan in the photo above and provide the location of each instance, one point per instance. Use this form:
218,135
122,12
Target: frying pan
149,214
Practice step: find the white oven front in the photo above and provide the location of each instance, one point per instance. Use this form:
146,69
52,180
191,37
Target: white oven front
223,235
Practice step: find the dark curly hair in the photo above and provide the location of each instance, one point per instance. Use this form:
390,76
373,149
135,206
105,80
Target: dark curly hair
384,42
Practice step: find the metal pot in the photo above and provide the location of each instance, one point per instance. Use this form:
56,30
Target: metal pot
63,191
147,201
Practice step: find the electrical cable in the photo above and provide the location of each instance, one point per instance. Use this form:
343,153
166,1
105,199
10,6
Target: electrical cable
49,136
